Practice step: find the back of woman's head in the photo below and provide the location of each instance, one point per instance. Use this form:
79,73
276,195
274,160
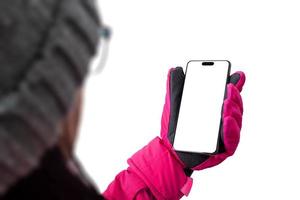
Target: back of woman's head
45,50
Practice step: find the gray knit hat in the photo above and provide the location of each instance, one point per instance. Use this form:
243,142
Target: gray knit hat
45,50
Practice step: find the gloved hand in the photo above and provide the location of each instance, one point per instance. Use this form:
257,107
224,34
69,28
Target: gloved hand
165,172
231,116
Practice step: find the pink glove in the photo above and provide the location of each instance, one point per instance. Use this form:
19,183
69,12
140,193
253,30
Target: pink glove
162,171
231,116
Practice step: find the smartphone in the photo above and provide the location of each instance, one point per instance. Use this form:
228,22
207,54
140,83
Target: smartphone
199,119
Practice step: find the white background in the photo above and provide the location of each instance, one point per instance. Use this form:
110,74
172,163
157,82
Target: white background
123,104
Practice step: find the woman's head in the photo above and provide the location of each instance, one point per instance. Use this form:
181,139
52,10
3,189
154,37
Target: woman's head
45,50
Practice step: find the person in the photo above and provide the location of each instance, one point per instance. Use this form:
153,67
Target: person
45,50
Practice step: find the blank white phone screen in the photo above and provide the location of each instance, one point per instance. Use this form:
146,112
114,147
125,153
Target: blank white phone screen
201,106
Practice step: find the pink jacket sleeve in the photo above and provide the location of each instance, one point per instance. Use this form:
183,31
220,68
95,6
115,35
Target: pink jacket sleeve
153,173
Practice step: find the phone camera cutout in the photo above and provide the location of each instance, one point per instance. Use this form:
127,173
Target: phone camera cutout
207,63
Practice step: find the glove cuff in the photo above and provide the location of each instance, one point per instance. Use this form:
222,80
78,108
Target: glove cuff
157,166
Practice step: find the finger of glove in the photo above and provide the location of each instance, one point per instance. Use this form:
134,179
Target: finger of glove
230,108
174,89
231,134
238,80
233,104
233,94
